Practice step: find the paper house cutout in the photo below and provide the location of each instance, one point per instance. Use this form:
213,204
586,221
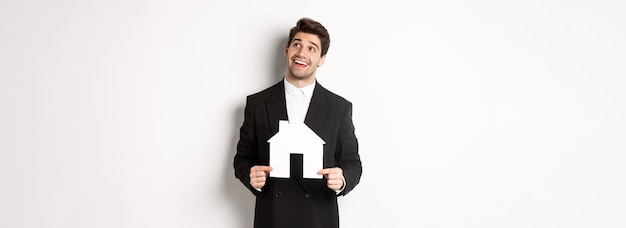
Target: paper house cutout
296,138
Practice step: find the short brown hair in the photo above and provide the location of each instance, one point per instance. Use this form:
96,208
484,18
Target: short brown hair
308,25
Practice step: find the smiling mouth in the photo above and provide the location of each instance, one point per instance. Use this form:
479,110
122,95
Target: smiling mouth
300,63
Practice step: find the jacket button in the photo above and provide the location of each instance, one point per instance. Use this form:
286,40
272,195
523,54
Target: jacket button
278,194
307,196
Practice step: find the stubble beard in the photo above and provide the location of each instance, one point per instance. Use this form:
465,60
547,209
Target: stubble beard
301,76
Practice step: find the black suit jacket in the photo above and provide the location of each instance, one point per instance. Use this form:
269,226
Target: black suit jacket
297,202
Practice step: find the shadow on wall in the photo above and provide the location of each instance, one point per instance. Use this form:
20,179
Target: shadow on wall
240,197
279,62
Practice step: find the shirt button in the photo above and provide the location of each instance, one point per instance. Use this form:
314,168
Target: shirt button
307,196
278,194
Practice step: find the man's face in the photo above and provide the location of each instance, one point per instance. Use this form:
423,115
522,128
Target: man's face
304,56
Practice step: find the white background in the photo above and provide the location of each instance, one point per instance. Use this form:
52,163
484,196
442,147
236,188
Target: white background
125,113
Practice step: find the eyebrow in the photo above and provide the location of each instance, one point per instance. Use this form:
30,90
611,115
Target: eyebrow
298,39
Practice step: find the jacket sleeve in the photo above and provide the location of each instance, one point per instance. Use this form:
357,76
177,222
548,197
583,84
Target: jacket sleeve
347,152
247,148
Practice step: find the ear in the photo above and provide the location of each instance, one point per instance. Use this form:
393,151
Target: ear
286,50
321,61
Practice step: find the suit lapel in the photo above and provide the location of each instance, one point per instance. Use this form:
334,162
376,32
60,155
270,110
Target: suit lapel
318,109
276,107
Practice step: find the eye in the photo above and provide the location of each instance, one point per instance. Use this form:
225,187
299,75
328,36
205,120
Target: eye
312,49
296,44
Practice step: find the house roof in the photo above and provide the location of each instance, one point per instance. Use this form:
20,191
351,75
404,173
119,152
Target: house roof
296,132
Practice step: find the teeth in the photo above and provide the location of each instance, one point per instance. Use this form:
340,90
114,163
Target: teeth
301,62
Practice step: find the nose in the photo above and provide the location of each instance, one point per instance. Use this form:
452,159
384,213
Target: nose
299,51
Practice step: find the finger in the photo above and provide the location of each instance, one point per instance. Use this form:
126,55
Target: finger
264,168
334,176
327,171
331,170
323,172
259,180
334,182
334,187
258,184
258,174
259,168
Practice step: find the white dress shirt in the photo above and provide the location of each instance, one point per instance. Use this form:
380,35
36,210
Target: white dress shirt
298,100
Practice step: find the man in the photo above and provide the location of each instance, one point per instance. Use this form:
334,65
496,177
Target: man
296,201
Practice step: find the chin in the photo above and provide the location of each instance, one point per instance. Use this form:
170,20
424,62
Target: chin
301,76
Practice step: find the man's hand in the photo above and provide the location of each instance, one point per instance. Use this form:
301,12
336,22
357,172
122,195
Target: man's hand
258,175
334,177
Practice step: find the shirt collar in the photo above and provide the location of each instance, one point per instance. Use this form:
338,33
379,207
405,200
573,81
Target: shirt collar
292,90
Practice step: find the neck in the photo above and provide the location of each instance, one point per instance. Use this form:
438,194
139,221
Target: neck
300,82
